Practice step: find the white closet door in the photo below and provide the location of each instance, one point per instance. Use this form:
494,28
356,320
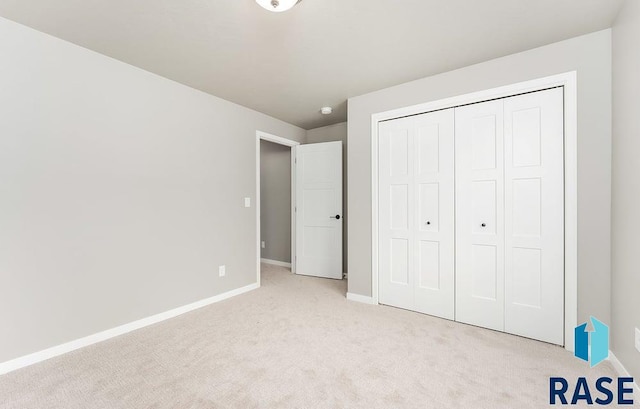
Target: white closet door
534,204
480,214
416,218
396,213
434,228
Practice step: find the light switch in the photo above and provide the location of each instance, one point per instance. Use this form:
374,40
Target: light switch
247,202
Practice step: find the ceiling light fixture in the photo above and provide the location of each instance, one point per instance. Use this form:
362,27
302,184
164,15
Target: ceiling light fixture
277,6
326,110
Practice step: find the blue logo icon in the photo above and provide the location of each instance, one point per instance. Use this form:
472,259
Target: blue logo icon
596,349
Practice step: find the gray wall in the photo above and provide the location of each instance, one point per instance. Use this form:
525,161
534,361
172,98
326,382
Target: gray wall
590,55
331,133
275,201
121,192
625,269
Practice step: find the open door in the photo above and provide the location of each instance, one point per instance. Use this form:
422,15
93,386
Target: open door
319,210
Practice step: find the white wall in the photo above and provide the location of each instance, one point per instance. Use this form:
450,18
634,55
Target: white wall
625,297
275,201
332,133
590,55
120,192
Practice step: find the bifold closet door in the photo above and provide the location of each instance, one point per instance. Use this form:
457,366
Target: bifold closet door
479,158
416,213
534,210
510,215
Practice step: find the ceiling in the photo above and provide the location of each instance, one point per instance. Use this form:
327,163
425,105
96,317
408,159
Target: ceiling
320,53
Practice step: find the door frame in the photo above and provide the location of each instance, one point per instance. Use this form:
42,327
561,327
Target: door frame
264,136
569,83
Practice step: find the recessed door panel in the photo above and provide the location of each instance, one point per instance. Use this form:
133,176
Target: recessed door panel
318,166
484,141
317,241
527,277
484,265
400,261
526,207
319,203
429,207
399,152
484,206
428,137
399,197
526,137
429,265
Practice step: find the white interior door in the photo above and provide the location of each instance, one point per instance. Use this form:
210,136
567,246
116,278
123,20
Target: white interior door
480,214
319,209
416,217
534,210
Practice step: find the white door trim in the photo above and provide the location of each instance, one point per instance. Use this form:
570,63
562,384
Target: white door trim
569,83
292,144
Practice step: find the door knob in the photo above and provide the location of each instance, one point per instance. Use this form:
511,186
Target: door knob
337,217
428,223
484,225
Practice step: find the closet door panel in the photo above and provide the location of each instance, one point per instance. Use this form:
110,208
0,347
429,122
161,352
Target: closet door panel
534,223
434,228
479,186
416,216
396,213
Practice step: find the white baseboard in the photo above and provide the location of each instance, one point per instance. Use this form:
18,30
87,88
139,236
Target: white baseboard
275,262
40,356
622,371
360,298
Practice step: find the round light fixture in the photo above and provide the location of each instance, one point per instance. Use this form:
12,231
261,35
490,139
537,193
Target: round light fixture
277,6
326,110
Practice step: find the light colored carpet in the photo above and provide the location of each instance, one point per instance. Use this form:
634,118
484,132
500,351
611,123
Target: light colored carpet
298,343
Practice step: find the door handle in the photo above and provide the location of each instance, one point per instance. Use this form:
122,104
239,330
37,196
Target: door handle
337,217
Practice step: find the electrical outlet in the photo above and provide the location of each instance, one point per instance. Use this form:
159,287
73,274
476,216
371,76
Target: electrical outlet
638,339
264,245
222,271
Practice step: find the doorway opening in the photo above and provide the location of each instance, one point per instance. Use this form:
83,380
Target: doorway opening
275,201
305,187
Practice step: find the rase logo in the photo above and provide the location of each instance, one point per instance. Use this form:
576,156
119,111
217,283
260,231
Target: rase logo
599,342
592,347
